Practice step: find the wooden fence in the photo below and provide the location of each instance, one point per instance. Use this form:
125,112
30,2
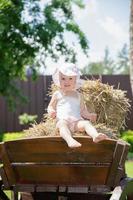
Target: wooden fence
38,100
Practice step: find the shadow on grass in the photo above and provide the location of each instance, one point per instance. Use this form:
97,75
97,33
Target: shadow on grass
1,137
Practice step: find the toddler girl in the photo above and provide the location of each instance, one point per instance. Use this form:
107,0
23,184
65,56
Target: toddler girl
68,108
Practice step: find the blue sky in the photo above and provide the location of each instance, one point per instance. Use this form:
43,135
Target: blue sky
105,23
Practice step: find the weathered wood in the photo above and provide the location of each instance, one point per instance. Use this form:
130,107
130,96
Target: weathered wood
7,165
113,176
4,177
55,150
3,196
61,174
47,164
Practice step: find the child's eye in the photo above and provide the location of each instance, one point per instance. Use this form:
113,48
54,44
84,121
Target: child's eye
70,78
63,79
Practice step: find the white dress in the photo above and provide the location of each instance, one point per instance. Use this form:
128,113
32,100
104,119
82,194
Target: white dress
68,107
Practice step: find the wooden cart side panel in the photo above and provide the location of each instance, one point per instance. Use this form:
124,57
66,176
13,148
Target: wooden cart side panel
4,178
61,174
7,165
116,170
55,150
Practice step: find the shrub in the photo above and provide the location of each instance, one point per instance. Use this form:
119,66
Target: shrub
128,137
25,119
11,136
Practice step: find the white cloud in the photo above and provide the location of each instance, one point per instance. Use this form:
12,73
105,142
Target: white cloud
100,29
114,29
91,7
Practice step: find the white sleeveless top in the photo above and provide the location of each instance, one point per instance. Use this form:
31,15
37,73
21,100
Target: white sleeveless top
68,107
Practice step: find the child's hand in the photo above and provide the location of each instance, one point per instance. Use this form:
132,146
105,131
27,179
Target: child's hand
52,114
93,117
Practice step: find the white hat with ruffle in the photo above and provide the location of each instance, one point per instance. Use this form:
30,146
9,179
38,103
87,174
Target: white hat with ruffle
68,69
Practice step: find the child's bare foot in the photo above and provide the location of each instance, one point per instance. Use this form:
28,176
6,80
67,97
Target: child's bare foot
100,137
74,144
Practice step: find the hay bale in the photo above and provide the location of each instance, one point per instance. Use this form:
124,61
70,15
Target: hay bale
111,106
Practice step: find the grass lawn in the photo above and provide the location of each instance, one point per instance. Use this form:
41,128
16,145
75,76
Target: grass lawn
10,136
129,168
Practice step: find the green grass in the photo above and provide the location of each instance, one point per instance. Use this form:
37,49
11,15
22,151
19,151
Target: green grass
10,136
129,168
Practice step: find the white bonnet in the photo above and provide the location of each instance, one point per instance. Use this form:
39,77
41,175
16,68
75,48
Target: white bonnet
68,69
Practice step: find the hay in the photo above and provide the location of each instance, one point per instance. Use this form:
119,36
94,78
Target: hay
111,106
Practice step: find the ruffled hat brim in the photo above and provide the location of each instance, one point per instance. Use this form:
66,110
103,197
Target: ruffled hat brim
68,70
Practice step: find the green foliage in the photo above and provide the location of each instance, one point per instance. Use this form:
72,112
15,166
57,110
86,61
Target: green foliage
93,68
26,30
11,136
123,60
109,65
27,119
129,168
128,137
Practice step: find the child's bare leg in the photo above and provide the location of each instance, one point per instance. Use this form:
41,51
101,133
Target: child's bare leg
91,131
66,135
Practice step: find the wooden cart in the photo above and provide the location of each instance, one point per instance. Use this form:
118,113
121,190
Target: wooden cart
46,164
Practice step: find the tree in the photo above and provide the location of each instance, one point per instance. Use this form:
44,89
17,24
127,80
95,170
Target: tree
131,45
105,66
93,68
108,65
26,30
122,65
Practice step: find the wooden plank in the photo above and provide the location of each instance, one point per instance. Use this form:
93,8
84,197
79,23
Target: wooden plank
40,93
47,85
10,120
18,110
36,188
61,174
24,85
2,114
4,178
121,168
77,189
57,144
115,164
89,196
32,96
54,149
60,157
7,165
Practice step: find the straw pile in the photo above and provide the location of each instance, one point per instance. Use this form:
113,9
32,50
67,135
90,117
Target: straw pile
111,106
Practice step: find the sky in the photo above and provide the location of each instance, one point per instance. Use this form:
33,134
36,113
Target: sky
105,24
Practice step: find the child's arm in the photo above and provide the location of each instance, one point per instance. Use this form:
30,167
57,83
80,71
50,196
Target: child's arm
85,113
52,106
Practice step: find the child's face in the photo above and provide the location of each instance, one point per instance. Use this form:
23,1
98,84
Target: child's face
67,83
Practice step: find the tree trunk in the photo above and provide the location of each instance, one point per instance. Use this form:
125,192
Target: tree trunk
131,45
